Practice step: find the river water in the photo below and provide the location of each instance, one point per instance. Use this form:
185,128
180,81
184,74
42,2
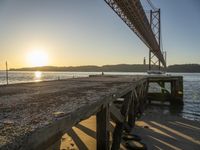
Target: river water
190,109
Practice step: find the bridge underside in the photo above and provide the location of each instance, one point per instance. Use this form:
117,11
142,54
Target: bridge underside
132,13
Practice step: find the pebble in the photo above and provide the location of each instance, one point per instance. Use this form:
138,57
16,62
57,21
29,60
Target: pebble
147,127
135,145
127,137
8,122
59,114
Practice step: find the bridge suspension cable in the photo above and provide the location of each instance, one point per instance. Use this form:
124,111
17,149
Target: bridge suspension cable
151,5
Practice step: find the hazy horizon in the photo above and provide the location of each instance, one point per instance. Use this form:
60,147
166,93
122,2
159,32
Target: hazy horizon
77,33
95,65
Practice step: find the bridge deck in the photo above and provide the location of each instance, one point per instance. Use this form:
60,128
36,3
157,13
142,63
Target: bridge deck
33,113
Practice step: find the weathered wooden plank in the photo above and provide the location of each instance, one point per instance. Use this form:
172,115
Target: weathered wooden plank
131,114
116,114
102,119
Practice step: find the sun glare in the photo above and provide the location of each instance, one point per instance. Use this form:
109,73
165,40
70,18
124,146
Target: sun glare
38,74
37,58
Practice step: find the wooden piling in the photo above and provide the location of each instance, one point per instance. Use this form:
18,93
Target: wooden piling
131,114
175,95
102,122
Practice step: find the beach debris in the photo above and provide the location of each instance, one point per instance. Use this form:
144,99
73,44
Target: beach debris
180,92
127,137
59,114
8,122
147,127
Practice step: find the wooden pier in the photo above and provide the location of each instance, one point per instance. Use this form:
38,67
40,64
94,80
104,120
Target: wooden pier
35,115
173,93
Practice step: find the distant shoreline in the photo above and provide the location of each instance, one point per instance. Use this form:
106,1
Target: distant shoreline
184,68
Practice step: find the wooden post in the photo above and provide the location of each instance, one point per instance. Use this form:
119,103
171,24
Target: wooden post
131,114
159,64
146,91
172,89
117,134
149,59
102,125
162,85
181,84
6,73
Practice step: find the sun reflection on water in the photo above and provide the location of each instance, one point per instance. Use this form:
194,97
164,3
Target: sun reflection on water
38,76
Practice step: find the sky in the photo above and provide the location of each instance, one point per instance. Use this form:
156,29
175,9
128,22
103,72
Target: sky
88,32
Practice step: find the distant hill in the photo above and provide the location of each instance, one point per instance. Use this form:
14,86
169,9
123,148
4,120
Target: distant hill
105,68
193,68
113,68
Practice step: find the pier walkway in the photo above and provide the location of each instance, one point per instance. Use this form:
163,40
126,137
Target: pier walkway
35,115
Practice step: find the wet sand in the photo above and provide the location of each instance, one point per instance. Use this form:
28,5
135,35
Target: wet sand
161,130
158,129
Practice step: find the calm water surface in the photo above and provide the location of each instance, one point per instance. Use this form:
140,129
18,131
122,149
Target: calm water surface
190,110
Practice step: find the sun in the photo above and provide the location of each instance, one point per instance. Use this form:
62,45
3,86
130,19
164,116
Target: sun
37,57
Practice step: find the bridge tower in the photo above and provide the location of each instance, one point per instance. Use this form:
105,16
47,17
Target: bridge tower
155,24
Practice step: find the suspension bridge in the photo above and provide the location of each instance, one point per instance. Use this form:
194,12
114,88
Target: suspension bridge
149,31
